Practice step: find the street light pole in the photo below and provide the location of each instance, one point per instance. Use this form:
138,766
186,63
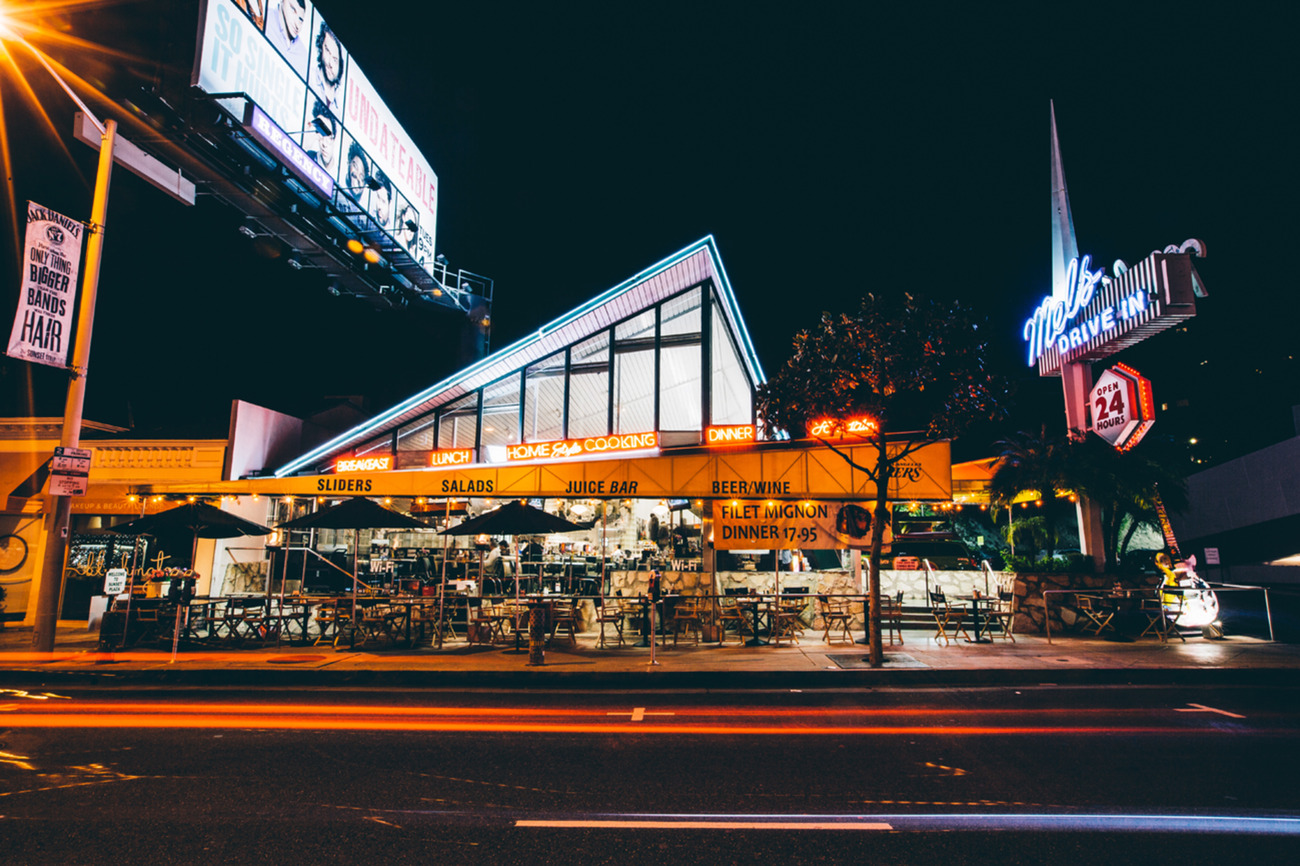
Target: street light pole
56,548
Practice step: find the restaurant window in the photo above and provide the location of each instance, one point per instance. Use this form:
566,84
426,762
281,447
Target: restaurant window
681,315
501,416
589,387
679,362
732,397
458,423
544,400
634,374
418,435
679,387
377,446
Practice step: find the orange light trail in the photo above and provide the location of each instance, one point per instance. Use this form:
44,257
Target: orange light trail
317,723
142,715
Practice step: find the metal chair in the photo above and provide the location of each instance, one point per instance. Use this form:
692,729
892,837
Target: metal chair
948,617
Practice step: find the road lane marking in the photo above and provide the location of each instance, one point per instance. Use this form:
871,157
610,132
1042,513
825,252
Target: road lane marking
638,714
710,825
1202,708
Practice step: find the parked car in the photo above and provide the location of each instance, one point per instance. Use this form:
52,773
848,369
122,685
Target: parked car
944,555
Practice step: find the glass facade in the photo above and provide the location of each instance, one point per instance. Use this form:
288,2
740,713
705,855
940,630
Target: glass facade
589,387
544,400
501,416
651,365
634,374
458,423
732,396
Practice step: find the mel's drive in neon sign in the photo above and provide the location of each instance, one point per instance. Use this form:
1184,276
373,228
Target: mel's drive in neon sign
1054,320
567,449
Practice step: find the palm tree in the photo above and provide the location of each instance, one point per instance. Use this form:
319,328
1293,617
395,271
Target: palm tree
1125,484
1041,464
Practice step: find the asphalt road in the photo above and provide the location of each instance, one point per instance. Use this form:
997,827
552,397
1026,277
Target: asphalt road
1008,775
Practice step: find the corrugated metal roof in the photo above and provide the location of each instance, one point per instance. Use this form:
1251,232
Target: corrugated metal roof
688,267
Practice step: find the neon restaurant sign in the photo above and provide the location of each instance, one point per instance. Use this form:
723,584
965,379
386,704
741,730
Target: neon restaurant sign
730,434
363,464
862,426
1099,315
568,449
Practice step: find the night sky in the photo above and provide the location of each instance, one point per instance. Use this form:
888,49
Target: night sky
831,148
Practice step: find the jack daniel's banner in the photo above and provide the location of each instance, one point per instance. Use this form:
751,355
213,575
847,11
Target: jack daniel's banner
48,288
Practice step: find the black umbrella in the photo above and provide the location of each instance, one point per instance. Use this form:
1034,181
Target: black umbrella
355,513
513,518
198,518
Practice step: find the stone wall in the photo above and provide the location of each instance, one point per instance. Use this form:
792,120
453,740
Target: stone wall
1032,613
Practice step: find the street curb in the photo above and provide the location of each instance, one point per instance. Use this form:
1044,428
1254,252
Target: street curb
655,680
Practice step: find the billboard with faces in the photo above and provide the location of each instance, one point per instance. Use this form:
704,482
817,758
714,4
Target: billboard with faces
284,55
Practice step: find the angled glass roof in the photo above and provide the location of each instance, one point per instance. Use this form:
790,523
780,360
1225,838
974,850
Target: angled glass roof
693,265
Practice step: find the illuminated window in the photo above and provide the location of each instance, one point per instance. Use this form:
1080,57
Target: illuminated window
544,400
589,388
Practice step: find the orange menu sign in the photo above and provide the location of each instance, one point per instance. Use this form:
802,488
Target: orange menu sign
729,434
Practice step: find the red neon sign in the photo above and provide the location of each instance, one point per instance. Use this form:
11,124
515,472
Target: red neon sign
729,434
862,426
567,449
451,457
364,464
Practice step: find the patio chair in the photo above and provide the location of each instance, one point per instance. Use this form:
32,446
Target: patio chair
835,618
891,616
686,615
731,616
610,614
1096,615
1162,611
564,616
948,617
1004,614
787,620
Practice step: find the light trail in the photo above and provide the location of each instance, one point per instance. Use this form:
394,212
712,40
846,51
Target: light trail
99,714
1023,822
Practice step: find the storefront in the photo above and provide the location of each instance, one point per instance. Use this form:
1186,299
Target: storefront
632,414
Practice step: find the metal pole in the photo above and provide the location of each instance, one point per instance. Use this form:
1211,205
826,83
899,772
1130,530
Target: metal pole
56,548
442,588
1268,612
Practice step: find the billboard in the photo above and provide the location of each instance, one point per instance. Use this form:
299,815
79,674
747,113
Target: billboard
285,58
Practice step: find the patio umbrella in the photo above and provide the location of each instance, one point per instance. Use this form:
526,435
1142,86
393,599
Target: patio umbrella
199,519
515,518
356,514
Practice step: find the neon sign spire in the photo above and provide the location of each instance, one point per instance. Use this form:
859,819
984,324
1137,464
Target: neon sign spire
1065,247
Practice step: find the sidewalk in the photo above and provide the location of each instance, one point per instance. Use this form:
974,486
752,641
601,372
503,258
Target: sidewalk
810,664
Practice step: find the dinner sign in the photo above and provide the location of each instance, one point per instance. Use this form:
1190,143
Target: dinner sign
805,525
